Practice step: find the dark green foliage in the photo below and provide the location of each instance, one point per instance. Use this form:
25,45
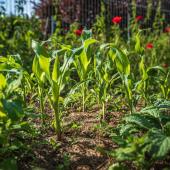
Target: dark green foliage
144,137
16,34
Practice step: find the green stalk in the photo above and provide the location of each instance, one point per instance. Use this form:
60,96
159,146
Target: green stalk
40,91
57,119
55,105
130,103
103,110
83,95
24,91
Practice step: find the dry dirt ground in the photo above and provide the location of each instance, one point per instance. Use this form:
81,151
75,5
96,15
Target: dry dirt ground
78,149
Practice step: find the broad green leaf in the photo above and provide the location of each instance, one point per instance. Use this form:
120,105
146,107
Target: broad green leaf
142,70
14,84
14,109
2,82
128,85
151,110
36,68
138,47
55,92
112,55
3,59
157,68
103,46
164,147
39,49
122,62
117,166
159,140
2,114
88,42
86,34
141,121
45,65
4,67
84,60
8,164
56,69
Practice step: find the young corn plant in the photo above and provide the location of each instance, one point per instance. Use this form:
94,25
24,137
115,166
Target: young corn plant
56,71
165,85
104,79
40,69
123,67
150,76
82,63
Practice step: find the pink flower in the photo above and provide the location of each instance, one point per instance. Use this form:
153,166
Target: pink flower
117,20
149,46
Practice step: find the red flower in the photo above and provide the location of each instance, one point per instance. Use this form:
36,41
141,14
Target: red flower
117,20
79,32
165,65
139,18
149,46
167,29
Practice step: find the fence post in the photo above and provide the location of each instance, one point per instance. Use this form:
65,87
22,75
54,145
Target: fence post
128,19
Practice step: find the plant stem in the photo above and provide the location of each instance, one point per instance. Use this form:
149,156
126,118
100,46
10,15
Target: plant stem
24,91
83,93
55,104
103,110
57,119
40,90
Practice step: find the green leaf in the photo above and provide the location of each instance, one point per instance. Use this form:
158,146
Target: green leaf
8,164
88,42
164,147
43,62
2,114
138,47
2,82
122,62
84,60
36,68
14,84
151,110
55,92
142,70
45,65
159,140
56,69
13,109
156,68
141,121
4,67
86,34
117,166
39,49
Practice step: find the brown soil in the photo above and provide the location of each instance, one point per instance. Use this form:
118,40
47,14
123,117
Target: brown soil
78,149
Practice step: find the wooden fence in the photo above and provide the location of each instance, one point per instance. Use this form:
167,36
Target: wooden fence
85,11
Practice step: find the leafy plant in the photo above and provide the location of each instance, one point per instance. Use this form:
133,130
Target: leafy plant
57,77
123,67
82,62
104,78
14,126
144,137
